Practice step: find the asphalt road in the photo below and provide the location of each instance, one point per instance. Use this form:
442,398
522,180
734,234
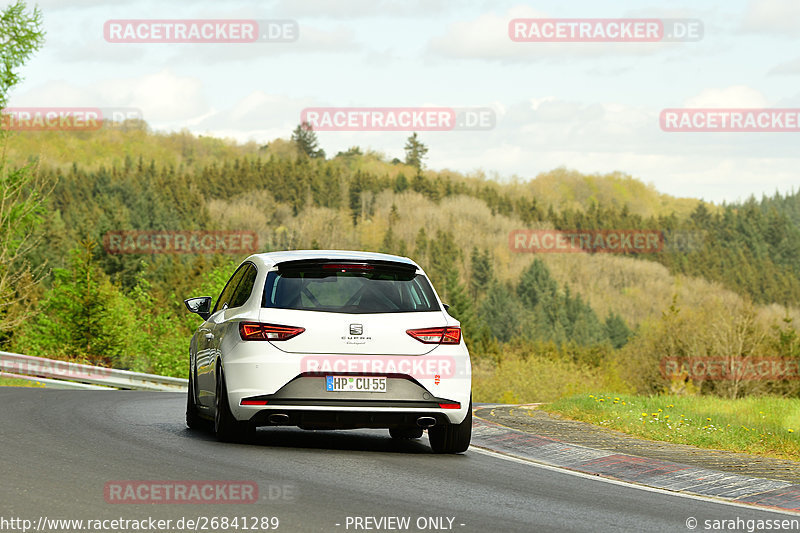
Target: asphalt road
60,449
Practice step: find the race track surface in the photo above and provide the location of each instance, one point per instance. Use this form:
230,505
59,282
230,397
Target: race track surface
59,450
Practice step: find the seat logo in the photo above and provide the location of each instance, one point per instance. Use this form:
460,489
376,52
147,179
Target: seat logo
356,329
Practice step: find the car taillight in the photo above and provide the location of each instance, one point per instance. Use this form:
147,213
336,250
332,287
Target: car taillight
256,331
454,405
447,335
253,402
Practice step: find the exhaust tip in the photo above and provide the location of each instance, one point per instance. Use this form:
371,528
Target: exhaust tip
278,419
426,421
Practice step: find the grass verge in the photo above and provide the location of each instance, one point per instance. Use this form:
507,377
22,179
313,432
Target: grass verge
765,426
16,382
517,379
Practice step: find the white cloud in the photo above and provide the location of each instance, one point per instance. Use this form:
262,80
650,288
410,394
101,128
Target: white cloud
50,5
258,111
789,67
98,52
735,96
351,9
772,16
311,41
486,37
162,97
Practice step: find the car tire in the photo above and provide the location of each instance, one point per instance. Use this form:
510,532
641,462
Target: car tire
407,432
193,420
452,438
226,427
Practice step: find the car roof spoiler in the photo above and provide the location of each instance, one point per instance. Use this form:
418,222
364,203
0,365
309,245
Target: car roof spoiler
381,264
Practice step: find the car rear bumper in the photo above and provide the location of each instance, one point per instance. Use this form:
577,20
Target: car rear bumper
339,418
254,370
306,402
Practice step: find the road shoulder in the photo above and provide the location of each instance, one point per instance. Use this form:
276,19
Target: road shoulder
527,432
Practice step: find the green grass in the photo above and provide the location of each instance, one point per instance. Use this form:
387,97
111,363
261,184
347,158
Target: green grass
16,382
765,426
536,379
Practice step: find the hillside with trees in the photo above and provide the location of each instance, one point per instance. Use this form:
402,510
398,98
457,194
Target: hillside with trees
566,322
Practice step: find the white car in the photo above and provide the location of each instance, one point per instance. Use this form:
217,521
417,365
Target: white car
330,340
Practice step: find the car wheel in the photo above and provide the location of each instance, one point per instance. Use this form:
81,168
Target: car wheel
452,438
226,427
193,420
409,432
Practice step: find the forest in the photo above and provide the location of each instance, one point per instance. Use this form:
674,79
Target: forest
725,284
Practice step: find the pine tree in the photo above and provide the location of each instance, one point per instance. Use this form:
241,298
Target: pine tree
305,139
443,253
617,330
421,246
356,187
583,327
400,183
388,243
482,272
501,312
415,151
461,307
83,315
535,284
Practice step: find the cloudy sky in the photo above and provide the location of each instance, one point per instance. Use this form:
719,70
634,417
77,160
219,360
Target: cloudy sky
593,107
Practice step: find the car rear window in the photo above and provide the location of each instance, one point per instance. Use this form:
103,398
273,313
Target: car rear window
349,289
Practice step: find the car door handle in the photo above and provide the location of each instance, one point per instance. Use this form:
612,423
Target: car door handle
209,336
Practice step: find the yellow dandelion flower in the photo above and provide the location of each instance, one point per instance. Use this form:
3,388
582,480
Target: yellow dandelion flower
791,430
644,414
709,419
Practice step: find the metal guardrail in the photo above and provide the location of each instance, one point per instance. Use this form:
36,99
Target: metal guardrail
68,374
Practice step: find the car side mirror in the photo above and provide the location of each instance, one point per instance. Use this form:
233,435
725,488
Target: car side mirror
200,305
446,307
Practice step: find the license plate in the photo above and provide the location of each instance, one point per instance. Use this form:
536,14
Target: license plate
355,384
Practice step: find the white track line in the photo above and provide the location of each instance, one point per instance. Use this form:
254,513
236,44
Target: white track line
709,499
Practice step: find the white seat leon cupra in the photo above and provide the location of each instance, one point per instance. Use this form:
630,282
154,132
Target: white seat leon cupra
330,340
